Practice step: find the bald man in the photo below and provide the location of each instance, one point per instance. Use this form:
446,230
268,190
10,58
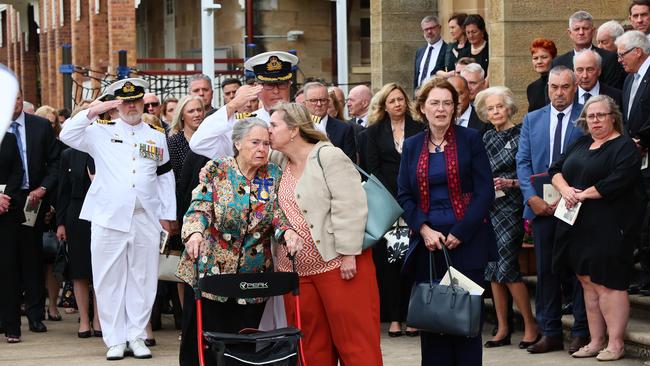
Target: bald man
358,103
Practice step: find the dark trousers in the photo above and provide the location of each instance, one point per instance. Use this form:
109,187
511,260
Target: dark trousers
548,295
643,245
10,274
394,291
447,350
226,317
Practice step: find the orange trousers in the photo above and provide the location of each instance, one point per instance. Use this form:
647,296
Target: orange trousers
340,319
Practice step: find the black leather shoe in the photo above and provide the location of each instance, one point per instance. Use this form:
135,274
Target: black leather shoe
395,334
547,344
37,326
54,318
577,343
150,342
86,334
412,333
505,341
98,333
524,344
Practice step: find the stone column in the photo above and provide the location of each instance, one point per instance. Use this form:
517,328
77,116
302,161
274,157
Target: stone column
395,36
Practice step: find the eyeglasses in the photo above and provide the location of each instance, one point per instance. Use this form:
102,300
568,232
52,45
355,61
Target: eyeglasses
438,103
280,86
151,105
597,116
317,101
621,55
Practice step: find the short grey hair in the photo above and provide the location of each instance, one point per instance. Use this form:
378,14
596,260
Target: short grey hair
430,19
312,85
508,99
599,60
580,16
612,28
196,77
472,68
559,69
634,39
242,127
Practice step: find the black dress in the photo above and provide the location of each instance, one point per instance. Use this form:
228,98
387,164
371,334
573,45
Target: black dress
482,58
537,93
383,161
601,241
178,148
454,53
11,176
74,183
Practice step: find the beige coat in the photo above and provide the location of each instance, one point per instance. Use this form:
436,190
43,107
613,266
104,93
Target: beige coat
335,207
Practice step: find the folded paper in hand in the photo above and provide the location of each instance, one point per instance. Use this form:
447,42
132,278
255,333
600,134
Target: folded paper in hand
462,281
565,214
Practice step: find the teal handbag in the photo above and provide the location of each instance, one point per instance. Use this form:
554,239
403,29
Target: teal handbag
383,209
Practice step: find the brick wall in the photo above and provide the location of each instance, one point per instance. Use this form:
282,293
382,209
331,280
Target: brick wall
98,29
29,80
80,43
42,59
121,32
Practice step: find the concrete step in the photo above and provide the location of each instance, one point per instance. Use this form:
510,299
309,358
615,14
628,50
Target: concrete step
637,334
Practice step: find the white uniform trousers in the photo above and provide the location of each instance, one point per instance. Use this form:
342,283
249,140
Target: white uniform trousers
125,276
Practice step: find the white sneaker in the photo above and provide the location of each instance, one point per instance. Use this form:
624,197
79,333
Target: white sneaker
139,349
116,352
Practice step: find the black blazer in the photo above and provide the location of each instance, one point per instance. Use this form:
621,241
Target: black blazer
476,123
440,62
612,74
43,152
11,175
382,157
611,92
188,180
537,93
640,112
74,181
341,134
357,143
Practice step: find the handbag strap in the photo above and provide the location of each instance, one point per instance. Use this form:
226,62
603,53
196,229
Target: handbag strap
432,268
363,172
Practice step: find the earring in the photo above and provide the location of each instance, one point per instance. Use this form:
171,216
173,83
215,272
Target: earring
291,139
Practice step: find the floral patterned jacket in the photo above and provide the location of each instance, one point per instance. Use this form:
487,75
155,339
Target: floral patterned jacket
237,218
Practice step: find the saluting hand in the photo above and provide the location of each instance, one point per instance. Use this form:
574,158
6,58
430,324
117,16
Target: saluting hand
102,107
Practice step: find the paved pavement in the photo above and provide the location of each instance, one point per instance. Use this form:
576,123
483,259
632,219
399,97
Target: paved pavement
60,346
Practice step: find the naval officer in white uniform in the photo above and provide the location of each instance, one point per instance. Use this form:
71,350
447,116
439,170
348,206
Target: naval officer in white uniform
129,202
273,73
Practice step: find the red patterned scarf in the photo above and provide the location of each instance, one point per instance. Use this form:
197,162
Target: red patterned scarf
459,200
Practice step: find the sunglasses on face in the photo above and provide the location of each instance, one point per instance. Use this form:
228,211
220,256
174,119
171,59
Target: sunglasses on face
151,105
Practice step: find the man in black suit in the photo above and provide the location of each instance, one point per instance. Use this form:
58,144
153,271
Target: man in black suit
431,57
467,116
587,68
633,51
40,154
581,32
340,133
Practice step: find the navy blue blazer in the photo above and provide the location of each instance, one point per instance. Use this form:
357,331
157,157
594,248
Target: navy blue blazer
475,232
533,155
341,134
440,62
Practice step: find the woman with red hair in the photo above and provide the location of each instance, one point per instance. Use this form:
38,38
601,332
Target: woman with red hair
543,52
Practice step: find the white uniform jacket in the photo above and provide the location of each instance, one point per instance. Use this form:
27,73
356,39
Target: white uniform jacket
213,138
128,160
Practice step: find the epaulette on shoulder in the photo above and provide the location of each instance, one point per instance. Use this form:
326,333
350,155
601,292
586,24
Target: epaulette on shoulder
105,122
244,115
159,129
315,119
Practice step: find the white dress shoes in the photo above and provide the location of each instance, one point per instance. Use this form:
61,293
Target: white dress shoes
139,349
116,352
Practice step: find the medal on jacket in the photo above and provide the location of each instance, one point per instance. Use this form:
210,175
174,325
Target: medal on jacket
151,152
263,187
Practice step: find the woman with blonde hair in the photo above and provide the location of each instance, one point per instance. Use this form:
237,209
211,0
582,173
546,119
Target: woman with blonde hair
51,115
322,197
335,109
389,124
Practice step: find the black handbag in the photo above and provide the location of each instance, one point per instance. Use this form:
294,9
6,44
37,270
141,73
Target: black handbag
442,309
60,266
50,246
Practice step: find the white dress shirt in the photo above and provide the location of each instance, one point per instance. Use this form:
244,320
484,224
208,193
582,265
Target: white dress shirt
435,51
463,119
594,91
553,125
322,125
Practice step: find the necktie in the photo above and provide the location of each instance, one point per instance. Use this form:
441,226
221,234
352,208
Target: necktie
557,139
633,89
586,95
19,141
425,66
359,121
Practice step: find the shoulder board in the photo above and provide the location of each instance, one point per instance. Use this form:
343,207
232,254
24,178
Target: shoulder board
315,119
104,122
244,115
159,129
